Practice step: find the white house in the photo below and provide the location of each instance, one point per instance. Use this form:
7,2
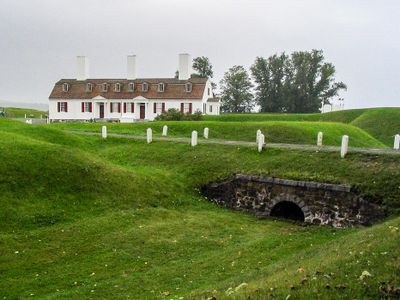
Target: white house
132,98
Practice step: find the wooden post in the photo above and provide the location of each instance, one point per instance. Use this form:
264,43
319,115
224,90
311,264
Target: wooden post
165,130
345,146
194,138
319,140
205,133
397,142
261,140
149,135
104,132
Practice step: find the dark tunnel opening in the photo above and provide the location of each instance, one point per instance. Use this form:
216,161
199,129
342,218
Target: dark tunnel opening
287,210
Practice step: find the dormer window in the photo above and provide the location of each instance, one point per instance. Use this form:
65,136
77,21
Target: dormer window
131,87
160,87
104,87
89,87
117,87
188,87
145,87
65,87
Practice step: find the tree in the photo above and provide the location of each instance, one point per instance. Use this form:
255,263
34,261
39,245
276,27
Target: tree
236,93
203,67
299,83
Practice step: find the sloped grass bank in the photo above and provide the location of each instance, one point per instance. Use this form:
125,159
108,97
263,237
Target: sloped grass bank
275,131
130,224
381,123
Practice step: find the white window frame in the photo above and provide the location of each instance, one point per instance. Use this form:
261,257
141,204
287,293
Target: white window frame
117,87
158,108
186,107
145,84
131,87
63,106
160,87
65,87
128,107
114,107
89,87
86,106
104,87
188,87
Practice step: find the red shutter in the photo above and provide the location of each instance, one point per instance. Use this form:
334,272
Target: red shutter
119,107
190,108
111,107
58,106
66,106
90,107
163,107
124,107
83,106
132,107
182,105
155,107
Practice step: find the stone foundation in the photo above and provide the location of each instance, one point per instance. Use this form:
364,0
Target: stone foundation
320,203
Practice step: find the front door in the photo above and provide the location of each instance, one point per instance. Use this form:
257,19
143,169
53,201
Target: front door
102,111
142,111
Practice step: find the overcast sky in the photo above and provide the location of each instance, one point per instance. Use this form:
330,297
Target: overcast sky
40,39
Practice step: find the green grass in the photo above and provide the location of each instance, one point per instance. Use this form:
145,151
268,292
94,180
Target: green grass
381,123
84,217
275,131
13,112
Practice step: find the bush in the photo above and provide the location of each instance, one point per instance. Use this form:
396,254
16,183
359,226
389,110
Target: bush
173,114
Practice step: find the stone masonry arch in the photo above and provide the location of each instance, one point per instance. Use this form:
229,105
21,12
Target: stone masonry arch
321,203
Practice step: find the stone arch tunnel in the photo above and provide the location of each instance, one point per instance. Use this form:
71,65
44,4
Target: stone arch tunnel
301,201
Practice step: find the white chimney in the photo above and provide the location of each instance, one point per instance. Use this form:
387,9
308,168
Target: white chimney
184,66
83,67
131,67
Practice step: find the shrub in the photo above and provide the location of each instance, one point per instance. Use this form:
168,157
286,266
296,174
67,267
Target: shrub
173,114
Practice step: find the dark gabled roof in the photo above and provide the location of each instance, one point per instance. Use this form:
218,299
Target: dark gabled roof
174,89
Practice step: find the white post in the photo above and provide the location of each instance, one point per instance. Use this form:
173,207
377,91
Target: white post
205,133
319,140
47,120
194,138
261,140
258,135
104,132
149,135
345,146
397,142
25,116
165,130
41,117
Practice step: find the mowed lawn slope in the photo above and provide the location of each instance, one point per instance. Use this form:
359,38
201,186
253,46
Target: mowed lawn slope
275,131
381,123
14,112
84,217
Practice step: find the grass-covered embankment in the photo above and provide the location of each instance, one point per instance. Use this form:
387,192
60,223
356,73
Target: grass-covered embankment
275,131
14,112
381,123
84,217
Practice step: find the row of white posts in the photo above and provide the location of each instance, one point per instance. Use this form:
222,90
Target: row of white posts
260,139
149,134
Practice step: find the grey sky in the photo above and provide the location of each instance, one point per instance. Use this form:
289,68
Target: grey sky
39,40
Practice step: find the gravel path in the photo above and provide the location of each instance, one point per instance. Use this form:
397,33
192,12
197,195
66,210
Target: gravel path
243,143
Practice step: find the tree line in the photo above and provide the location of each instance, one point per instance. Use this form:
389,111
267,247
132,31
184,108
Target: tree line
297,83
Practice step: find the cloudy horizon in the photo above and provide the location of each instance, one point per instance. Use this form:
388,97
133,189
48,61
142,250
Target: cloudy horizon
41,39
